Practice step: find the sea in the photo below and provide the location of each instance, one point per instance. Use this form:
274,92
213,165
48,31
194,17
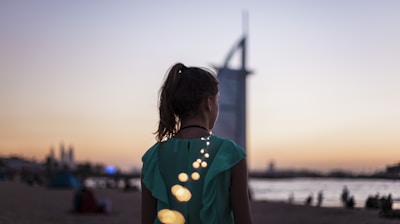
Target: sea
281,189
301,188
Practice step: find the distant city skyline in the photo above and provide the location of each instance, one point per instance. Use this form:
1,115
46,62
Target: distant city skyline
324,93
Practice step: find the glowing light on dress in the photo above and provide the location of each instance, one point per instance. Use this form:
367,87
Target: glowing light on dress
182,194
183,177
168,216
195,176
196,164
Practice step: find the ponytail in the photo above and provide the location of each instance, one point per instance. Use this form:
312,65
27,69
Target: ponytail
167,126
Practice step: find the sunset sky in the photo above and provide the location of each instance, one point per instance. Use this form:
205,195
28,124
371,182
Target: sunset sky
324,93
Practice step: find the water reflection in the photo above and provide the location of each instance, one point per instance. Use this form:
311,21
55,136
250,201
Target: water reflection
301,188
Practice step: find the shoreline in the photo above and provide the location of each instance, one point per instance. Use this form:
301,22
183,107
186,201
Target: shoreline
22,204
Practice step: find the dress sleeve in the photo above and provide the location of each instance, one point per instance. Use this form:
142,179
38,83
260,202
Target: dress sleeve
228,155
152,178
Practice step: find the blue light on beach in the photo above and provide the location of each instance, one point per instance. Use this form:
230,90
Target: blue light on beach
111,170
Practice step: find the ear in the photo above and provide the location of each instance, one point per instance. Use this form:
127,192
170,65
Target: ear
209,103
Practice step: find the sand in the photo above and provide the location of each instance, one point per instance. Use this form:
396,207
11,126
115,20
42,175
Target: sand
20,204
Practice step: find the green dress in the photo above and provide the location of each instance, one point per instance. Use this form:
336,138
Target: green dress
210,201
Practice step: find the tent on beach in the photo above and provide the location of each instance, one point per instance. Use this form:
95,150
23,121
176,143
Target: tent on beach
64,179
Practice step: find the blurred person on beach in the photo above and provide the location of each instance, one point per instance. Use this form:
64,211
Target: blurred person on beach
350,202
320,198
190,175
85,201
291,198
345,195
309,200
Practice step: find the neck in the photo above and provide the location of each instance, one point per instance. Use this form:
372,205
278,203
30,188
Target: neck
193,129
194,126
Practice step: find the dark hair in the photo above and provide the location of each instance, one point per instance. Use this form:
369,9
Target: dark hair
180,96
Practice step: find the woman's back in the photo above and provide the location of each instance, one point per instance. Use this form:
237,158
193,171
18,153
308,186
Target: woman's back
198,167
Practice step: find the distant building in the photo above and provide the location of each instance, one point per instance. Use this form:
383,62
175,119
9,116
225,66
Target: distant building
62,154
51,160
393,170
271,167
66,158
19,164
51,154
70,159
231,122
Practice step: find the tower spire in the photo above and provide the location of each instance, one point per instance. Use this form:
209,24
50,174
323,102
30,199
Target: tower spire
245,27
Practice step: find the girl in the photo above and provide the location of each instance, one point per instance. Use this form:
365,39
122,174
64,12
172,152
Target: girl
189,175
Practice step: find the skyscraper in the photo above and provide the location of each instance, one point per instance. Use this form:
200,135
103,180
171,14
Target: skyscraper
70,159
231,122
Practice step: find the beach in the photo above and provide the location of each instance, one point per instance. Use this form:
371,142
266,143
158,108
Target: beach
21,203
